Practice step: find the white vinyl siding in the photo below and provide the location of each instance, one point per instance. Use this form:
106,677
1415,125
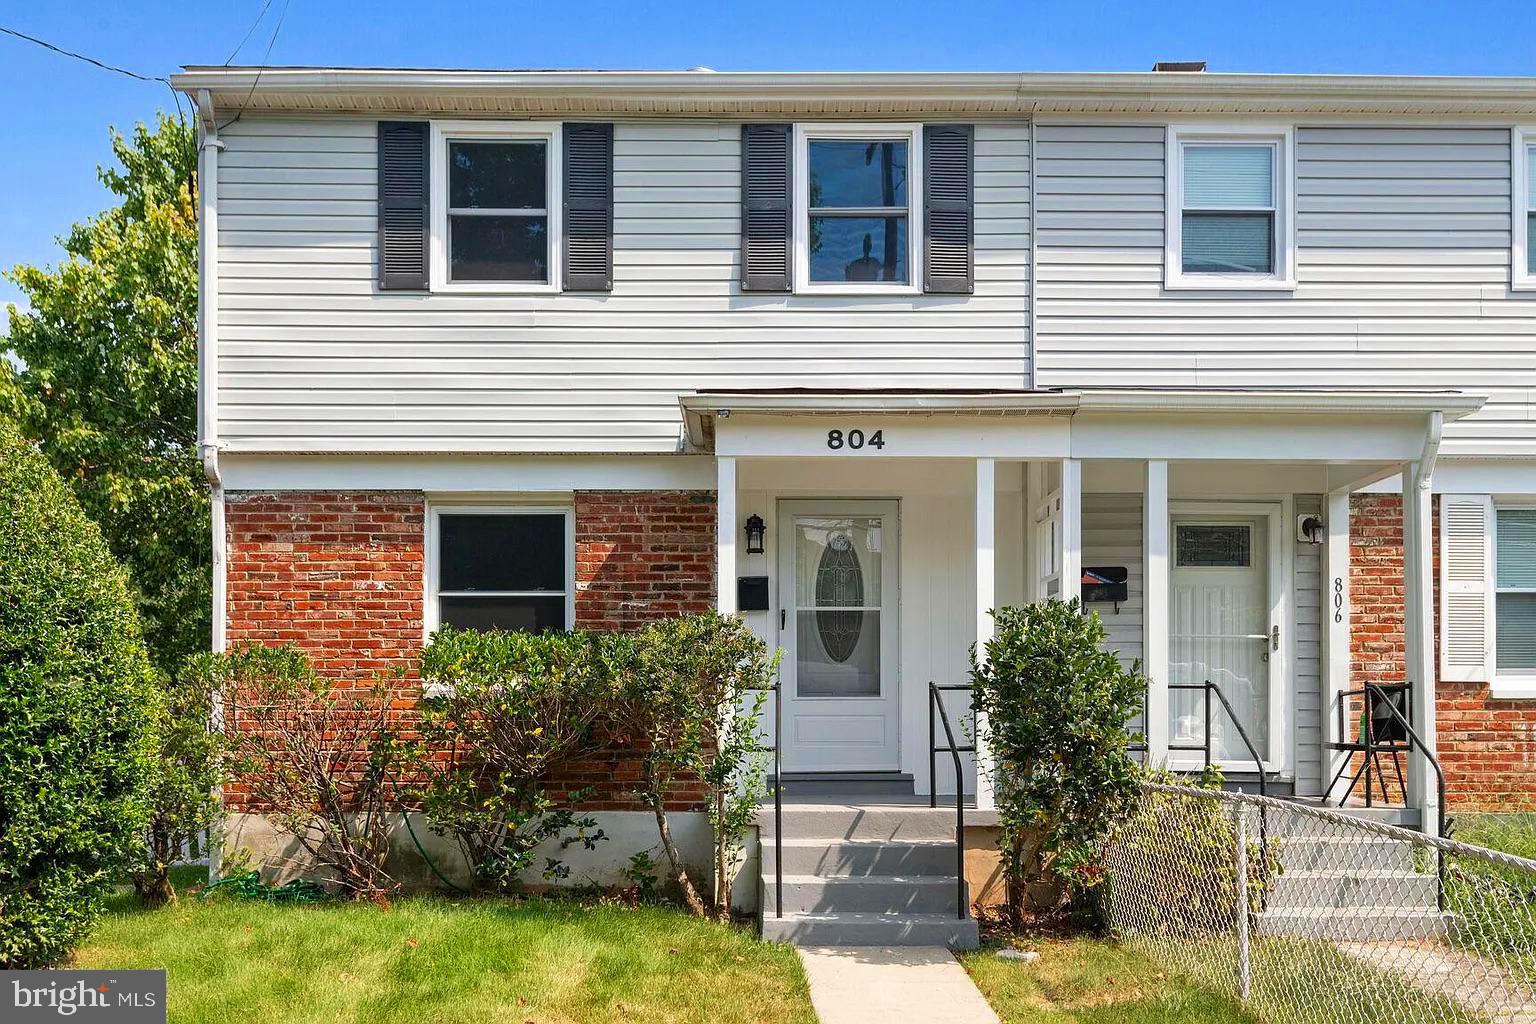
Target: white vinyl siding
1403,249
313,358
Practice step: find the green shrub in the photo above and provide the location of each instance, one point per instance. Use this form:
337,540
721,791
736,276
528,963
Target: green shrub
77,707
691,700
501,715
184,801
319,764
1056,705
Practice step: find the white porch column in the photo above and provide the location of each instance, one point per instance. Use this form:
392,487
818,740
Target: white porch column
1071,529
986,600
1154,602
725,535
1336,627
1419,635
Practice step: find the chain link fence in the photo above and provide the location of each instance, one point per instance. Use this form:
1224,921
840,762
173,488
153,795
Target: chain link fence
1312,915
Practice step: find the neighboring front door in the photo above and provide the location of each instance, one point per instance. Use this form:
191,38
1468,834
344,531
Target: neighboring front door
838,630
1223,619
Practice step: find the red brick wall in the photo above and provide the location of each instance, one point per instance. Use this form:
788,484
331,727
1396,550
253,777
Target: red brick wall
341,576
643,555
1486,746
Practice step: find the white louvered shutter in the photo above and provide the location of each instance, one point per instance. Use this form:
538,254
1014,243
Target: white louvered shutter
1466,586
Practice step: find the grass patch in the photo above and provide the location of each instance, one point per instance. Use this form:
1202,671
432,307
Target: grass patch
1095,982
439,961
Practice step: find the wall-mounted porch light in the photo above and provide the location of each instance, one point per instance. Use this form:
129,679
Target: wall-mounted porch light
755,531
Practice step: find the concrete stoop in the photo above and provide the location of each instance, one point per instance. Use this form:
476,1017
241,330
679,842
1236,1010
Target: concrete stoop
864,875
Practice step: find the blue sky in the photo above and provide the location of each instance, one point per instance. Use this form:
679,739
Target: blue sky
56,129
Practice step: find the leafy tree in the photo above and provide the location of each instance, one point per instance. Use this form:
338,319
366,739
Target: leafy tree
1057,704
77,713
107,382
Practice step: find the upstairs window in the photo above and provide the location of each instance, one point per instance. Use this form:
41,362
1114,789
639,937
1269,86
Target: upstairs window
501,568
857,223
495,206
1524,227
1228,214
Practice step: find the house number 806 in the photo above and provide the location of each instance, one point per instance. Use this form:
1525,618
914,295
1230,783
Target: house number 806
854,439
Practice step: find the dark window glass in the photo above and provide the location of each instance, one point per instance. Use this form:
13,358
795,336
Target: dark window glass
499,248
1228,243
502,552
858,249
496,175
530,614
1217,545
854,173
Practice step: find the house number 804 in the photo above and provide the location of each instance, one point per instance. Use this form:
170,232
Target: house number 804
854,439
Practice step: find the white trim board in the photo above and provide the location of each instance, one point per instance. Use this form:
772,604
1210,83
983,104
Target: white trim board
556,474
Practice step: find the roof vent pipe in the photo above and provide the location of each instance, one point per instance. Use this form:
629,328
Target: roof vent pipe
1179,65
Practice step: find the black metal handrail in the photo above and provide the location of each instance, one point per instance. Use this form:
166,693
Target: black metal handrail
936,700
1434,762
1209,688
778,800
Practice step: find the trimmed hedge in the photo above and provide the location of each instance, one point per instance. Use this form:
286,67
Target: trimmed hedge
76,710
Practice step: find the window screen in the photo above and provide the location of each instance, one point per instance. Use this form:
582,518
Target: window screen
1515,586
1228,218
498,211
859,207
502,570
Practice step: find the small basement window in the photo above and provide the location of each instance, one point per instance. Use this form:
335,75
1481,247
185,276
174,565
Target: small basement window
1229,211
495,208
501,568
857,216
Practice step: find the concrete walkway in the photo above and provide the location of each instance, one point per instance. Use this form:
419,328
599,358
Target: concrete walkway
880,985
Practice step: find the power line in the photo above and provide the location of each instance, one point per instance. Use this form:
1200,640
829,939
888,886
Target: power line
281,17
80,56
248,33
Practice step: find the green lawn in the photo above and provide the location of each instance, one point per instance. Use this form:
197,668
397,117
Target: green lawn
434,960
1095,982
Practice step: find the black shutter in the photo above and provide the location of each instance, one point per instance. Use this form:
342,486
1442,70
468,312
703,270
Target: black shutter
588,211
766,231
403,202
948,232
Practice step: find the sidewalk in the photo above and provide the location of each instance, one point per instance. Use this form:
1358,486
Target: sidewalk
868,985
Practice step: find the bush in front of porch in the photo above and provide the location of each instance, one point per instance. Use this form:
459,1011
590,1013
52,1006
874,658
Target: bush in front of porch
1057,706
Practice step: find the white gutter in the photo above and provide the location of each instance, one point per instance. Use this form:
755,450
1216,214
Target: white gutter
1016,91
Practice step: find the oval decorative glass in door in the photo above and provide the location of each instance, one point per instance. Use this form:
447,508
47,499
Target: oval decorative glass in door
837,606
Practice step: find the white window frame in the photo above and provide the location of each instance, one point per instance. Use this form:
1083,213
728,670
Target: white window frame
909,132
443,132
1506,683
1521,141
431,616
1283,139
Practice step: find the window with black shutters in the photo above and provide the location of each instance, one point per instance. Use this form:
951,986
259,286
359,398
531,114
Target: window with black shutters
501,568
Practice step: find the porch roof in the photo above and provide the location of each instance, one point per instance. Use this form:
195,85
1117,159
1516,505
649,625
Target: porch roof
700,409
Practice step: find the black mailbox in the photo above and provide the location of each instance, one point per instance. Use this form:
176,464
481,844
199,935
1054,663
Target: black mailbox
752,593
1105,583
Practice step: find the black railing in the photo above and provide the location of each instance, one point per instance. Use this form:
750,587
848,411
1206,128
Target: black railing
936,701
778,801
1208,688
1434,762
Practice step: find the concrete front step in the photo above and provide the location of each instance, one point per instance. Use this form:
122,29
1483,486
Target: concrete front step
825,857
869,823
853,784
1362,853
1352,888
863,894
843,929
1357,923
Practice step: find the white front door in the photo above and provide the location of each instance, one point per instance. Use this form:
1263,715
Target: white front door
838,631
1223,627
